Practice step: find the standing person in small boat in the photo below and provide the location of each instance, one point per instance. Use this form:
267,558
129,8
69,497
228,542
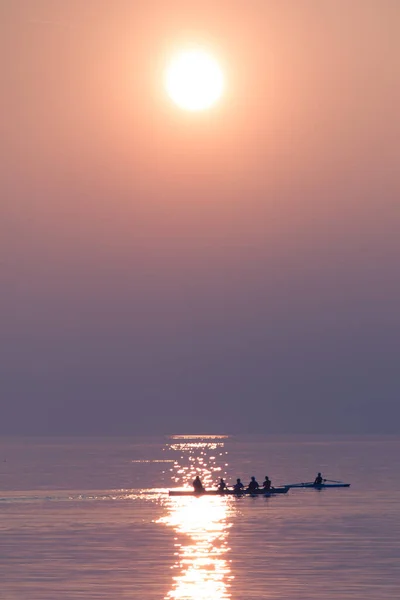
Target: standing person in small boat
253,485
267,484
238,487
318,480
198,486
222,485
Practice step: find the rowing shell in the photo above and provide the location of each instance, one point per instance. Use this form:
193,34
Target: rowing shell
320,486
260,492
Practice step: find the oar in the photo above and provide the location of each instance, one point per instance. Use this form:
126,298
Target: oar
333,481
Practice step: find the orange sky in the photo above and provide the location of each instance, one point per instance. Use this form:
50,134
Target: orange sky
112,198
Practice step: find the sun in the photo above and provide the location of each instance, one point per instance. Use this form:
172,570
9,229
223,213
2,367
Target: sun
194,80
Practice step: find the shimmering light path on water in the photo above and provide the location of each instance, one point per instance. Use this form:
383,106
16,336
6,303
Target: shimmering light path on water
201,524
92,519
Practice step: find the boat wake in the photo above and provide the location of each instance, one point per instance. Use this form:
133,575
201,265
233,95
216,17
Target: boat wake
78,496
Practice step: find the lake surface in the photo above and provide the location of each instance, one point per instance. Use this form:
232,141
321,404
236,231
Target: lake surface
91,518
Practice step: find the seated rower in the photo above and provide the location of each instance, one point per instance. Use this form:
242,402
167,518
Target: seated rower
238,487
253,485
267,484
197,485
318,480
222,485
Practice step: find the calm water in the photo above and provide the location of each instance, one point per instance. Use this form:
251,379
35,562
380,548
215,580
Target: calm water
92,519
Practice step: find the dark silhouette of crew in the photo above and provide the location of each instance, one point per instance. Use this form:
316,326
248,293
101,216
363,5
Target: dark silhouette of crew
222,485
238,487
318,480
198,486
267,484
253,485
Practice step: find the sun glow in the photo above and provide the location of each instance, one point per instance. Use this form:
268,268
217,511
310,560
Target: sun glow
194,80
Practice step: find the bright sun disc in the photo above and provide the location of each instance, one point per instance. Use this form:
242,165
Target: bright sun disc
194,80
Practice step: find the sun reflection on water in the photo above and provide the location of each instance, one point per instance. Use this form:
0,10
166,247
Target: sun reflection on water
203,456
201,524
202,527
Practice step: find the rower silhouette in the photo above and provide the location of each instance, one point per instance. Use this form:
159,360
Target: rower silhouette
238,487
222,485
253,485
267,484
197,485
319,479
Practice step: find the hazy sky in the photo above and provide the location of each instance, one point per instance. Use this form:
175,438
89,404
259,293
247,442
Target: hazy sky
226,271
